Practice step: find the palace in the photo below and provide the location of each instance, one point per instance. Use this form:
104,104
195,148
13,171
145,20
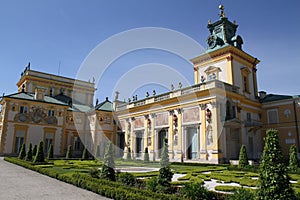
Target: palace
206,122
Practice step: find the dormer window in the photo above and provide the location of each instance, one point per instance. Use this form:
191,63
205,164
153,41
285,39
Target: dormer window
23,109
212,73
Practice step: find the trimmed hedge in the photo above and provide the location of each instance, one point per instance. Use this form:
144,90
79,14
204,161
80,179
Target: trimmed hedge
103,187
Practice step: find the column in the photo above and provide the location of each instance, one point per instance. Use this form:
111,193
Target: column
216,153
152,132
230,70
132,139
171,133
203,145
178,149
146,132
127,137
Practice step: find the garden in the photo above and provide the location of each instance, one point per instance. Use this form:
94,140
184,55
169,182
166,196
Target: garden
137,179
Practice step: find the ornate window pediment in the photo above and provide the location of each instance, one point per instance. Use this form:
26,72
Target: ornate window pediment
212,73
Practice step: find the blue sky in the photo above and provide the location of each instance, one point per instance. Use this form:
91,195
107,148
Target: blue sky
47,33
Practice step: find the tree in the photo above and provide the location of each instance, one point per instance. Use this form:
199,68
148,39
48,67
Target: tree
84,154
128,153
243,158
22,152
146,156
165,173
108,171
39,157
50,151
69,152
34,151
273,180
293,164
28,156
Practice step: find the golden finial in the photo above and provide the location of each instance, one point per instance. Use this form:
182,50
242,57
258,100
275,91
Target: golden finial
222,13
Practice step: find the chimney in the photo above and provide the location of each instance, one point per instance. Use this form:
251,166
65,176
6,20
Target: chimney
262,94
39,94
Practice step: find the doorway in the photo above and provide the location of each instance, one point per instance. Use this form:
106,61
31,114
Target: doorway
192,143
162,134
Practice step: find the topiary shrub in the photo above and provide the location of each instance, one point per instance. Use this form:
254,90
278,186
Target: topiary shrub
85,154
28,156
127,179
242,194
22,152
151,184
50,152
39,157
165,173
274,182
243,158
69,152
34,150
146,156
94,172
195,191
293,163
108,171
128,153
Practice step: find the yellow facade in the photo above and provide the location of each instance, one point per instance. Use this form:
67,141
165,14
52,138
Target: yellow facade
46,109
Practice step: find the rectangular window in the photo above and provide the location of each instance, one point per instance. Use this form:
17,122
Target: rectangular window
77,143
49,137
272,116
107,120
23,109
50,113
248,117
245,81
19,140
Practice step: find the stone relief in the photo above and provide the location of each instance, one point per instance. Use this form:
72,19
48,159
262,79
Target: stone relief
36,115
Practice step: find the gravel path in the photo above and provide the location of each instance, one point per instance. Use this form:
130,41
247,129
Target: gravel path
19,183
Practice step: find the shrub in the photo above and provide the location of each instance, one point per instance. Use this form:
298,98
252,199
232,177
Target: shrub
127,179
165,173
34,150
108,171
69,152
39,157
128,154
84,154
242,194
28,156
273,179
94,172
151,184
293,164
22,152
146,156
243,158
195,191
50,151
